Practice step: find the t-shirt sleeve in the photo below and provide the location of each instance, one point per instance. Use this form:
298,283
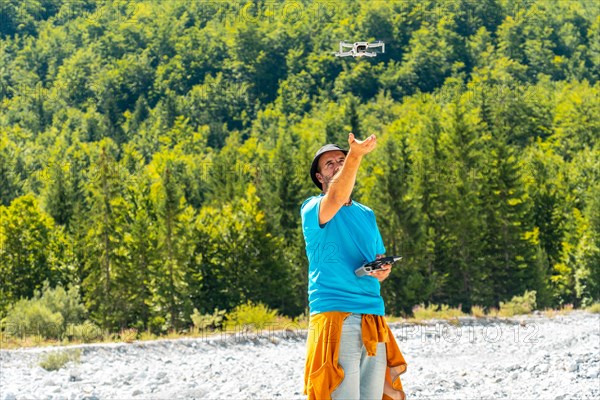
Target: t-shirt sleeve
379,240
310,214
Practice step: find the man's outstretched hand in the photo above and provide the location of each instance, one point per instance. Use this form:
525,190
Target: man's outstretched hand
340,186
361,147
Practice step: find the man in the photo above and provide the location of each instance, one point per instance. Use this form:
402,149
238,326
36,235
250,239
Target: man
349,346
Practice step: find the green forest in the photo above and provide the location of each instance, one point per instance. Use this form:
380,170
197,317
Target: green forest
154,154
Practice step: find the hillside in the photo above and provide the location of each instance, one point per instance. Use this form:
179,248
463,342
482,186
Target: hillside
154,154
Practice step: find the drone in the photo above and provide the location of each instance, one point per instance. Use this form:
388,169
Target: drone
360,49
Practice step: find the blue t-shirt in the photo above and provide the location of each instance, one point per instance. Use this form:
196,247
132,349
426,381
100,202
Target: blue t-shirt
334,251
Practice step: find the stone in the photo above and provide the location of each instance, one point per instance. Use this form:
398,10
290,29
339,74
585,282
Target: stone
543,368
525,375
161,375
593,373
87,389
573,367
75,376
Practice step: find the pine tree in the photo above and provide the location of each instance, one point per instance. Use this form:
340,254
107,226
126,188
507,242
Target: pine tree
10,179
461,142
58,191
242,261
508,254
170,278
104,236
140,243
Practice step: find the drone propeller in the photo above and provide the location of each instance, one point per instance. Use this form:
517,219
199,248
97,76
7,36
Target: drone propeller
378,47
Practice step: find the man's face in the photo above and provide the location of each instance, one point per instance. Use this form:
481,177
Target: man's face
329,164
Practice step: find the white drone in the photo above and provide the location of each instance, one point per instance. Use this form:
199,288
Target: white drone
360,49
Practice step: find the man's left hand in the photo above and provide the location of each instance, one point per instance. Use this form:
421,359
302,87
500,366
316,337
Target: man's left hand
383,273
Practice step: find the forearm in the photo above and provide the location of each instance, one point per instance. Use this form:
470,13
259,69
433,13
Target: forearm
343,182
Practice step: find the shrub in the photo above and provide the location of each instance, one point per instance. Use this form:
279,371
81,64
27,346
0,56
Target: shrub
157,325
147,335
255,315
211,321
422,312
594,308
303,319
32,318
518,305
477,312
47,314
128,335
551,313
447,312
67,302
86,332
434,311
58,359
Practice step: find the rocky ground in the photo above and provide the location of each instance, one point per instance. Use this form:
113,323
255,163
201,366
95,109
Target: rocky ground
529,357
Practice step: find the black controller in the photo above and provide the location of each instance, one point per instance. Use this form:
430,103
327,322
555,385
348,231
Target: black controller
369,267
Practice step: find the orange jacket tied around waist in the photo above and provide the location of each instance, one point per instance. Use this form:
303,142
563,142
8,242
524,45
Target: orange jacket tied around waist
323,374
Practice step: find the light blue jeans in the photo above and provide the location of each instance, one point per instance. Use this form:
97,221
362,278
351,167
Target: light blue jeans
364,376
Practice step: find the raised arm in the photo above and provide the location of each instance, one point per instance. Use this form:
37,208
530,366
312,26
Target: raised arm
339,189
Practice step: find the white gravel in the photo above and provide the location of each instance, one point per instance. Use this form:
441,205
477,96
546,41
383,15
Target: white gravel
530,357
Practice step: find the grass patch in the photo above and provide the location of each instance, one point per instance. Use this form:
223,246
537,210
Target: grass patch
433,311
594,308
211,321
302,320
86,332
492,312
257,316
58,359
551,313
147,335
128,335
47,314
518,305
477,312
393,318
